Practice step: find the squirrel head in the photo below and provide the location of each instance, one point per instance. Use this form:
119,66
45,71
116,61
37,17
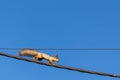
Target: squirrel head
56,58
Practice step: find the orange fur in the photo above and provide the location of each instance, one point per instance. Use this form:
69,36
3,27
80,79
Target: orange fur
38,55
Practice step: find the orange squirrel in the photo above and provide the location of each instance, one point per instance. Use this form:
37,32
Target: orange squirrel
38,55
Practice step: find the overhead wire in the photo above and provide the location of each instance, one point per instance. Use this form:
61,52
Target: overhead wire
63,48
61,66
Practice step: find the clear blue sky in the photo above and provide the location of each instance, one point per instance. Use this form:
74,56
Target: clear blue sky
60,24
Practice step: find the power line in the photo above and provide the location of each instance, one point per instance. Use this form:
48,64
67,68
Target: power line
63,48
62,67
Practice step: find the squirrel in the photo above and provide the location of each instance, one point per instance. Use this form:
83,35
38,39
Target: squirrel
38,55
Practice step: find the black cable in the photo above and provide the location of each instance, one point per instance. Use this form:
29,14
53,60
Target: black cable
63,48
62,67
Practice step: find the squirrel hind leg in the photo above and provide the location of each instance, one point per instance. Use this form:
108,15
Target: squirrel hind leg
35,58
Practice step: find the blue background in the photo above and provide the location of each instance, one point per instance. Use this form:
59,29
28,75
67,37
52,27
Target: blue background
60,24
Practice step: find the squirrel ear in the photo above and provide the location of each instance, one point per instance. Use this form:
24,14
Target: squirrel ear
56,56
19,54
